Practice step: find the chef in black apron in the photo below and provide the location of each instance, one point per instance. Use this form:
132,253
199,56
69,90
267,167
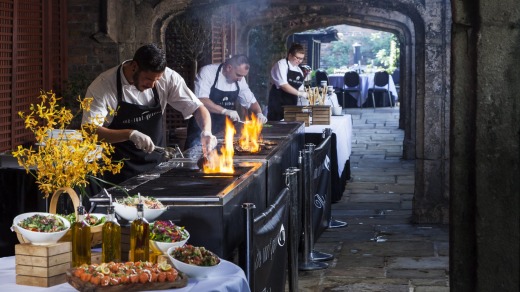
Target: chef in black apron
139,103
287,78
228,89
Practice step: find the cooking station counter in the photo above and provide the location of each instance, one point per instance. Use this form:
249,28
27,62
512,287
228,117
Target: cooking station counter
209,206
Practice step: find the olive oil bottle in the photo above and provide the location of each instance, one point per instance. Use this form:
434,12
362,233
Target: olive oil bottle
139,237
80,240
111,239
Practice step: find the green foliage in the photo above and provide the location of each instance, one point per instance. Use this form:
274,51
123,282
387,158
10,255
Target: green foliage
265,48
377,49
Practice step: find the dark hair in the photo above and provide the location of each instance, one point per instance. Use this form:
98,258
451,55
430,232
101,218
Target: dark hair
296,48
150,58
237,60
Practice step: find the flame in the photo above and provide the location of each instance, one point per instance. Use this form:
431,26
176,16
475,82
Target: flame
222,163
250,136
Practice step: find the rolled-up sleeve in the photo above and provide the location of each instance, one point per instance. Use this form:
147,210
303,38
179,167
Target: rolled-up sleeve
179,96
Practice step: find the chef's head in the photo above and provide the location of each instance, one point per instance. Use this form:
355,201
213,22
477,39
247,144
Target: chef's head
235,68
148,66
296,54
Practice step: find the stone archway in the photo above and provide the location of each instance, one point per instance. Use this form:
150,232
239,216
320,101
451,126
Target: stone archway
424,30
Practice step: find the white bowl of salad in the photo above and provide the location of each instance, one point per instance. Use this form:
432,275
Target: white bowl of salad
165,234
126,208
40,228
194,261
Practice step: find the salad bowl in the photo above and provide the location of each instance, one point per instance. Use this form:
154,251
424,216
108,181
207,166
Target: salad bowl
165,234
179,256
126,207
40,237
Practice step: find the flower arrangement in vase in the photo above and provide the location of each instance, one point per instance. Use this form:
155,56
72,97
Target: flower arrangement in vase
63,158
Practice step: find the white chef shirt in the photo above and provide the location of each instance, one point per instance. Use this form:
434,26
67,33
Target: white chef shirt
206,77
171,88
279,73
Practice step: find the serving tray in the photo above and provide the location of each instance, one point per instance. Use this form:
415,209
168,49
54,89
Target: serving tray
180,282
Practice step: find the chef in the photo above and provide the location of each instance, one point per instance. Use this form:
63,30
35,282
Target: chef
220,87
287,78
128,105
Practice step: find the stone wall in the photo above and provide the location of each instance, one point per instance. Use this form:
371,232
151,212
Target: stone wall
98,43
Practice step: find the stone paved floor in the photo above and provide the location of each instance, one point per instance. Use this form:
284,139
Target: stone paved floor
380,250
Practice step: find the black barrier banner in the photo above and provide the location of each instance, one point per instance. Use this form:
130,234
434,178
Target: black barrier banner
321,211
270,245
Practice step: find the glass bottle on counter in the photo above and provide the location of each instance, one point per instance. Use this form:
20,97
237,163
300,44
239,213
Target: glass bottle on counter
111,239
80,240
139,237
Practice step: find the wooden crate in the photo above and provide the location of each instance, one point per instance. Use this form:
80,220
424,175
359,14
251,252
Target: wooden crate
42,265
320,114
297,113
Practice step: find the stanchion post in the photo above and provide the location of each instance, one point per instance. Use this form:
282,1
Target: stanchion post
291,181
250,268
307,263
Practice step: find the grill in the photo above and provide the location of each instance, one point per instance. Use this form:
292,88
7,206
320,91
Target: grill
209,205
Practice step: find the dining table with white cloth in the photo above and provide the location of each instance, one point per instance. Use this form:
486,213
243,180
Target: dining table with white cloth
227,277
366,82
342,128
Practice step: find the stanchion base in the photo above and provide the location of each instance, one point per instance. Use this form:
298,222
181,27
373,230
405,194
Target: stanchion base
337,224
320,256
311,266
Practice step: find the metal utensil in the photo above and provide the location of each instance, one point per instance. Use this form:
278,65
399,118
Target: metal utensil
169,152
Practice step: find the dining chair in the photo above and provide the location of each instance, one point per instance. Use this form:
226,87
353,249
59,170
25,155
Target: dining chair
381,85
352,85
321,75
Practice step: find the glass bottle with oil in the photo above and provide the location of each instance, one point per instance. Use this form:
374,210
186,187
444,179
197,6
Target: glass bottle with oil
111,239
80,240
139,237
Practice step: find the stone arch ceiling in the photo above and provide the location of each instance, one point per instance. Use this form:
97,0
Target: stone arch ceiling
423,28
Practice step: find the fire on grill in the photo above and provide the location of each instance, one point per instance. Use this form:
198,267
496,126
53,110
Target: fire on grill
221,160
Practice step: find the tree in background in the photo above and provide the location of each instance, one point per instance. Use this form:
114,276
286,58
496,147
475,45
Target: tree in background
264,51
378,49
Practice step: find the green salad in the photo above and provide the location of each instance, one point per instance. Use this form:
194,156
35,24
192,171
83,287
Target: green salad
42,223
148,202
167,231
194,255
92,220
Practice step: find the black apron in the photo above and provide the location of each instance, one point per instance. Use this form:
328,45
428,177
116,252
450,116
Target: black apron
225,99
278,98
145,119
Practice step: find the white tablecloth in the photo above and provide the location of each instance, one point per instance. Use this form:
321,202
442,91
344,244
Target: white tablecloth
367,81
228,277
342,127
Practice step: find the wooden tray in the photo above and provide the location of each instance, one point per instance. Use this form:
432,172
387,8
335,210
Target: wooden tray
180,282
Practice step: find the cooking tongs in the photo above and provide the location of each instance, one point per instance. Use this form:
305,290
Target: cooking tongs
169,152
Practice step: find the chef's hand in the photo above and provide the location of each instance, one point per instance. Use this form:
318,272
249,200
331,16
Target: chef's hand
208,141
142,141
233,115
302,94
261,118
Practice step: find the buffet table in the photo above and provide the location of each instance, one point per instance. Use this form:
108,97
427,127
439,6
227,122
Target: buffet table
228,277
367,81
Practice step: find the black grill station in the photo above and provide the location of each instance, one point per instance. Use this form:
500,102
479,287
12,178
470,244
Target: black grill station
210,205
282,143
